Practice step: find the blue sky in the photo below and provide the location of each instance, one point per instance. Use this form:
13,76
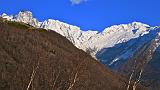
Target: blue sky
88,14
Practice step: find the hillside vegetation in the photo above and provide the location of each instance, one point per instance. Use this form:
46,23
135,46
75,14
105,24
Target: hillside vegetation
35,59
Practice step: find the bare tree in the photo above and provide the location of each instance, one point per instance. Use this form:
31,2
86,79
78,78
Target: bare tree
32,76
54,83
130,79
74,81
138,80
77,73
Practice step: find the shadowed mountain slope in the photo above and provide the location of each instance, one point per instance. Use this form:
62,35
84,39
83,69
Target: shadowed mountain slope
136,55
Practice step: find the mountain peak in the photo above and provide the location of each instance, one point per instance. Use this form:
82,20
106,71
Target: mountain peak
23,12
7,17
4,14
130,26
27,17
139,23
24,15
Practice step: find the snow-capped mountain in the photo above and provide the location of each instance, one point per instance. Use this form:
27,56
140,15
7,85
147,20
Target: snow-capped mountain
73,33
92,41
85,40
114,46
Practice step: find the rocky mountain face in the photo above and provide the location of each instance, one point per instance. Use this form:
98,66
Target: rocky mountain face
35,59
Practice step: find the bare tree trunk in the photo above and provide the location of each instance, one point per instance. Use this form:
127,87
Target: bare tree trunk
76,74
138,80
32,76
130,79
74,81
54,83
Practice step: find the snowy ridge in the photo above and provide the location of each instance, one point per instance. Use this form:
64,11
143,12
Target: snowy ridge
73,33
86,39
120,53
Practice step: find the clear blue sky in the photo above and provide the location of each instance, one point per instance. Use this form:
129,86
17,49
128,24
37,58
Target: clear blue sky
91,14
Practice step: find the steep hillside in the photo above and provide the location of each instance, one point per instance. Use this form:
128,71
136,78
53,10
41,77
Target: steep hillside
36,59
